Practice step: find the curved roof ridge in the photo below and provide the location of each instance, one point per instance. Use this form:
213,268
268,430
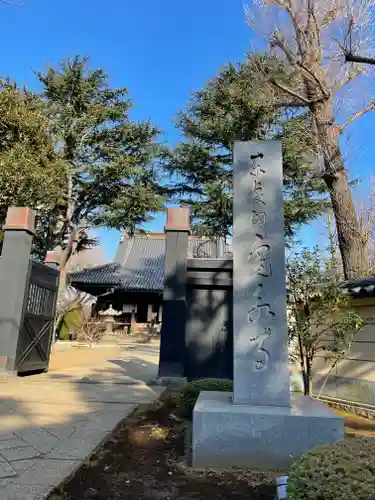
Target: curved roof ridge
95,268
128,250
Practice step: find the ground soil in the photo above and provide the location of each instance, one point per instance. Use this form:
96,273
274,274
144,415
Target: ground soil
65,358
147,457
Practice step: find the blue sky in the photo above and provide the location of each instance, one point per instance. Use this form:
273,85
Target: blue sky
160,51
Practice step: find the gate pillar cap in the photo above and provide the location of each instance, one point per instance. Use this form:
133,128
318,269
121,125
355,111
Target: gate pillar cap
178,219
20,219
52,257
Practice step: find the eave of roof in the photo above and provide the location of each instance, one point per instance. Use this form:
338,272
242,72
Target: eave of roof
360,287
139,264
140,267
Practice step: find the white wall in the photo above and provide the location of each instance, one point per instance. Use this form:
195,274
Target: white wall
354,377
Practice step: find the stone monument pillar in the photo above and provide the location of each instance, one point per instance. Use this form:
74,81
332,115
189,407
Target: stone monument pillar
258,426
261,375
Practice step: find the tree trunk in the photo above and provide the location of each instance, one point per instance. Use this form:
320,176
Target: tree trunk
70,225
326,134
72,234
302,363
326,377
335,262
351,243
308,386
65,257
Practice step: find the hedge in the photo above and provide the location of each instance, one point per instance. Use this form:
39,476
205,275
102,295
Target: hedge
191,392
341,471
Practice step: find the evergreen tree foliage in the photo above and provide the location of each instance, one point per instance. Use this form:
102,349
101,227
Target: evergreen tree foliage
109,170
31,173
231,108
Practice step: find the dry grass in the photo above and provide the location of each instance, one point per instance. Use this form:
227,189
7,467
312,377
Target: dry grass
357,426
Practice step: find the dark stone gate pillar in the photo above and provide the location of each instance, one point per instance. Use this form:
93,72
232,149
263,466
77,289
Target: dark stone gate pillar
172,342
14,279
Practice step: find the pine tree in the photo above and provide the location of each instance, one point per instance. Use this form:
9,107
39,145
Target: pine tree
109,171
231,108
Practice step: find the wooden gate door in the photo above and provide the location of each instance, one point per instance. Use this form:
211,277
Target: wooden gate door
36,335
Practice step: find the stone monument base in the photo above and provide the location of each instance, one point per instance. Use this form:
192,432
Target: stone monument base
269,438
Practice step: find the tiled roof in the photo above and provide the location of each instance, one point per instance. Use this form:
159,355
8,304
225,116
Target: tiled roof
142,267
139,264
105,274
360,287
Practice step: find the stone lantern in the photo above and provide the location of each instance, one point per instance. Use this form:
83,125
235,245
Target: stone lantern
109,319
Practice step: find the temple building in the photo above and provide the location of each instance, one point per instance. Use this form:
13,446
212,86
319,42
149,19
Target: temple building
133,283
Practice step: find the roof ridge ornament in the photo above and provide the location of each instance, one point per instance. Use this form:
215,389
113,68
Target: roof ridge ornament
110,312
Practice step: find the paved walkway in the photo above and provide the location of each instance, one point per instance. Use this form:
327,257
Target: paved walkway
50,423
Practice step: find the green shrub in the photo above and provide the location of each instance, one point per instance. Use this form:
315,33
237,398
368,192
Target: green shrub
341,471
70,322
191,392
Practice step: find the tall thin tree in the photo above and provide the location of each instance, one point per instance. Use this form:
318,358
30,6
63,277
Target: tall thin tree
309,35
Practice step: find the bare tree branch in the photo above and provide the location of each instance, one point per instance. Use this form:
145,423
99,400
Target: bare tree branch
330,16
315,78
12,4
291,92
349,77
291,104
356,115
303,101
359,59
314,37
278,41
